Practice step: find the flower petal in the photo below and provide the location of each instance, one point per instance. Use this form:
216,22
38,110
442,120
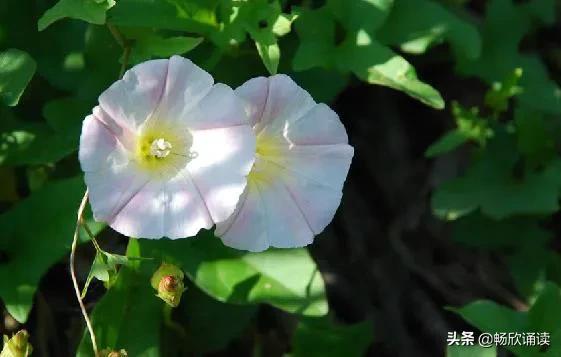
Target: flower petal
317,202
284,102
96,144
186,84
267,217
223,158
245,228
161,208
111,188
319,126
186,212
324,164
131,100
254,94
220,108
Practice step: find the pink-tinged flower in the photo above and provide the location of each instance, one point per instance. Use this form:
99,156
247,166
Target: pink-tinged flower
166,152
302,161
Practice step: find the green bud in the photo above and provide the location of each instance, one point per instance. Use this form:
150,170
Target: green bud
17,346
168,281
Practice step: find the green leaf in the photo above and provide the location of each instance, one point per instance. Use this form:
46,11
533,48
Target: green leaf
316,30
104,268
359,53
258,18
16,70
210,325
128,316
471,351
377,64
416,25
285,278
154,46
197,16
477,230
498,95
321,337
491,317
506,23
543,316
65,115
546,310
270,55
34,144
491,185
470,126
91,11
534,135
36,225
447,143
366,15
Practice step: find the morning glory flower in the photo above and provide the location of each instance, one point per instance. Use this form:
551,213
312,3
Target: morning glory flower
302,160
166,152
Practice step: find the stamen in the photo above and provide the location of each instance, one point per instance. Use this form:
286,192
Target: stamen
160,148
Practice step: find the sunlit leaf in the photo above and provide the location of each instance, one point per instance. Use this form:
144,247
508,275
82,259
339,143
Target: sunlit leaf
91,11
285,278
416,25
359,53
16,70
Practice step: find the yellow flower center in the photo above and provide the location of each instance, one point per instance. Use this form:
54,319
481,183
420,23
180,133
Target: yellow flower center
270,152
162,150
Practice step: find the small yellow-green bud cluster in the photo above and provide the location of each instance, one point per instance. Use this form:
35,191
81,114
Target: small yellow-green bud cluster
17,346
168,281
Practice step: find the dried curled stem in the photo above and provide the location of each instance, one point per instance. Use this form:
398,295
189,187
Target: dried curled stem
79,223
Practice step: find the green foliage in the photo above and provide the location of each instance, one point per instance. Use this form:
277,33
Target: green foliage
92,11
36,225
321,337
543,316
129,315
285,278
415,26
16,70
209,325
471,351
493,185
470,127
151,46
504,27
359,52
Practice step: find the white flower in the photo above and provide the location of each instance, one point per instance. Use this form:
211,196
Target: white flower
166,152
302,161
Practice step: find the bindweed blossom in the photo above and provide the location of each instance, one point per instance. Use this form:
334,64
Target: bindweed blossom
166,152
302,161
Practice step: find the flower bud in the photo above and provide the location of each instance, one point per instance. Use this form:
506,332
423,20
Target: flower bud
17,346
168,281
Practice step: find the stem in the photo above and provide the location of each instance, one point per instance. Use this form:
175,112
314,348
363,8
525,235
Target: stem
92,236
79,220
126,55
124,43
